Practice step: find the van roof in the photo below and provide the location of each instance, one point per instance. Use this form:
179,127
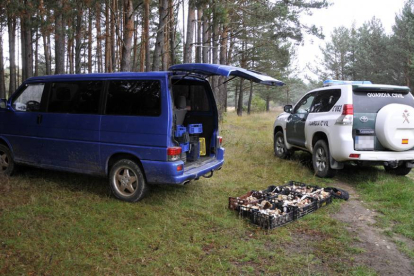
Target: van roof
96,76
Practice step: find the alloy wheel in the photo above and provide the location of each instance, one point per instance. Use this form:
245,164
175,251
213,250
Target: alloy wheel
126,181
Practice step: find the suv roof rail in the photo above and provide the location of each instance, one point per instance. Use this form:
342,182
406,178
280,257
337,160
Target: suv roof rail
342,82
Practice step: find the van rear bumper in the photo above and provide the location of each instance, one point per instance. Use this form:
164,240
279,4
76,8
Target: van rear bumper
158,172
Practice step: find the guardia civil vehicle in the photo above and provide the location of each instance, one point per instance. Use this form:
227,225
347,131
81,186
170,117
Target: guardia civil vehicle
350,122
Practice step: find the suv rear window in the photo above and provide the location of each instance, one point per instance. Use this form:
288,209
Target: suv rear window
372,102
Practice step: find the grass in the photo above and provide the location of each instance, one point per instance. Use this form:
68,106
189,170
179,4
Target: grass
56,223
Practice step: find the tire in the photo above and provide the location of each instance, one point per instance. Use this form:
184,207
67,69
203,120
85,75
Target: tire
127,181
401,170
7,165
321,160
279,146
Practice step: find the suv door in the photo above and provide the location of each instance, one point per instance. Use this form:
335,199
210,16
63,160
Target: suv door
295,126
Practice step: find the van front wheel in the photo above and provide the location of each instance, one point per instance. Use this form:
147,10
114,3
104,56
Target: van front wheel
127,181
6,161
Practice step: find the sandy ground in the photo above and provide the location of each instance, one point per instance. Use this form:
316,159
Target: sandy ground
381,253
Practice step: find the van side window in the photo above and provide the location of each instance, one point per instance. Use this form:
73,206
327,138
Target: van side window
81,97
134,98
326,100
30,99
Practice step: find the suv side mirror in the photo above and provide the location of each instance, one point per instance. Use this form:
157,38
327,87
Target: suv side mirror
3,103
288,108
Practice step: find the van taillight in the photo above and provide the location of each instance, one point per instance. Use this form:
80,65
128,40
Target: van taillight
348,109
174,153
220,140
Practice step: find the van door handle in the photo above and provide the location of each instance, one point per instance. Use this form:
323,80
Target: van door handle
39,119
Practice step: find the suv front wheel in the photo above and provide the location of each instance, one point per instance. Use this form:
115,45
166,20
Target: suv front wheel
279,146
321,160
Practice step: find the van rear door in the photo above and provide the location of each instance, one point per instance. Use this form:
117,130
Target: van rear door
208,70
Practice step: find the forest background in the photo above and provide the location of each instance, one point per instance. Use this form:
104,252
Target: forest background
47,37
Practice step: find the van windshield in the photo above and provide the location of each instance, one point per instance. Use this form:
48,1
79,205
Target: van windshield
372,102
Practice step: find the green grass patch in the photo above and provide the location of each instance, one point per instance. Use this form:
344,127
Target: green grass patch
59,223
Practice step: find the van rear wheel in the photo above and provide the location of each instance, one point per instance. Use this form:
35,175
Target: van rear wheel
6,161
127,181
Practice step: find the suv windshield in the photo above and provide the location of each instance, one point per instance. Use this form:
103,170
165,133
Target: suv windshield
372,102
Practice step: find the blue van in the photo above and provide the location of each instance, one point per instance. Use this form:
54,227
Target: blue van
134,128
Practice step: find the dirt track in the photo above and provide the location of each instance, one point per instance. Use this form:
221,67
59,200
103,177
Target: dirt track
381,254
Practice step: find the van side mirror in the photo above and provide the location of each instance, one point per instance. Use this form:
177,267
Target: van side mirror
3,103
288,108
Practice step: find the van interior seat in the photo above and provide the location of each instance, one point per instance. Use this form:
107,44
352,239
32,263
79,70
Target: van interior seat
180,109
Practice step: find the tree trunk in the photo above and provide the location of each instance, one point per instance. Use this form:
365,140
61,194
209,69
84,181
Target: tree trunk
70,49
59,39
231,47
172,31
190,35
98,36
146,38
90,41
143,39
2,80
108,63
128,32
23,45
235,96
206,37
199,35
249,104
78,39
243,62
165,57
160,38
113,40
27,49
223,60
36,54
267,103
48,54
135,48
240,101
45,15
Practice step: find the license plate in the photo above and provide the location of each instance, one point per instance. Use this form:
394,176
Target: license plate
364,142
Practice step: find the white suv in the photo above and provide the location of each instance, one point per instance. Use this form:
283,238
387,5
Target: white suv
350,122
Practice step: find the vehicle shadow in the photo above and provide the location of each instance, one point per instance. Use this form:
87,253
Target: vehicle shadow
66,180
352,174
96,185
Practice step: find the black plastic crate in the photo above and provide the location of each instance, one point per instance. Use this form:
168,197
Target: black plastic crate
247,212
301,211
324,202
266,221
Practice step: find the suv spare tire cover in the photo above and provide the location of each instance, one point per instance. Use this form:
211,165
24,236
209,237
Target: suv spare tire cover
394,127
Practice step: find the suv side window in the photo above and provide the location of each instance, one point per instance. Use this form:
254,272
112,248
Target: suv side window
325,100
303,107
30,99
134,98
80,97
